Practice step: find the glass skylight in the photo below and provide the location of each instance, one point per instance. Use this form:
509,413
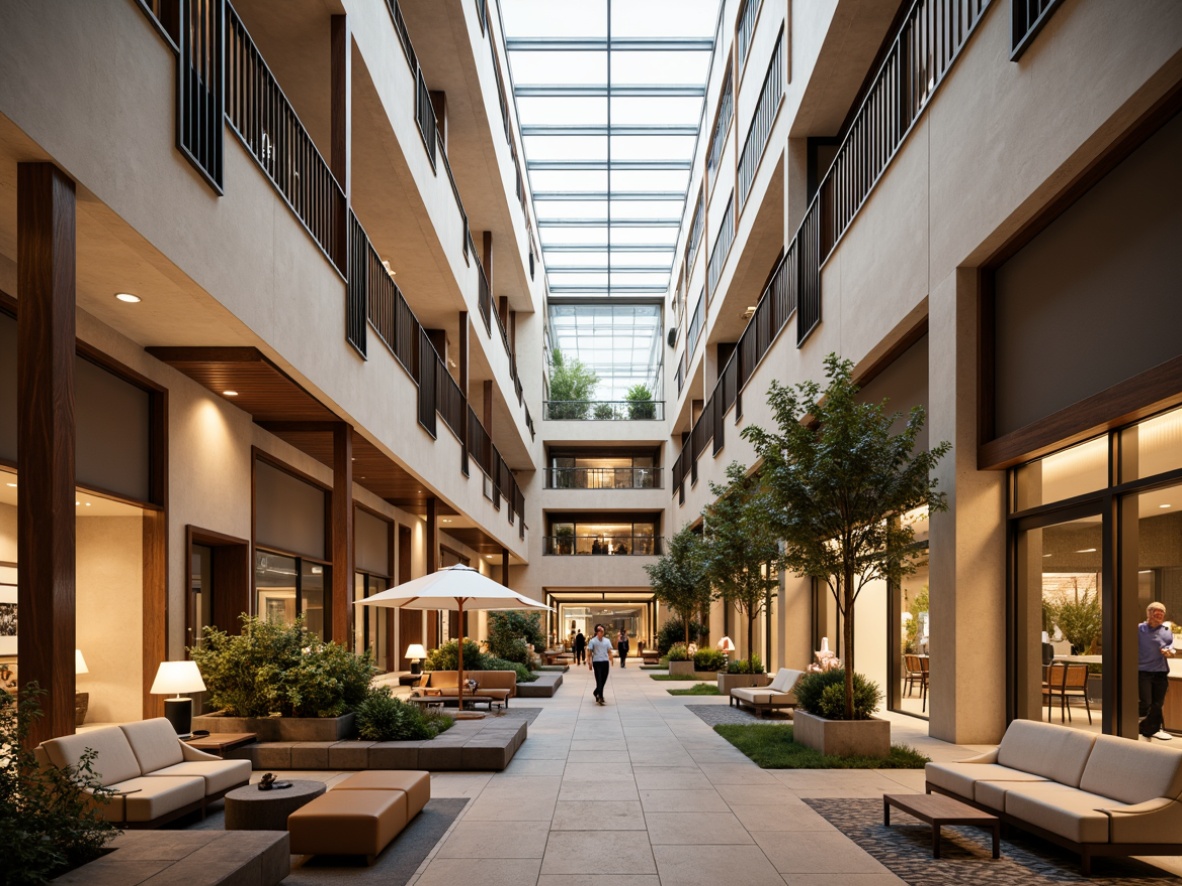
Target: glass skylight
609,95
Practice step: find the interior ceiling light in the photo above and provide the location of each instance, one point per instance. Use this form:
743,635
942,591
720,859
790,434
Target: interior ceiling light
13,485
749,313
229,393
1087,551
1163,507
128,297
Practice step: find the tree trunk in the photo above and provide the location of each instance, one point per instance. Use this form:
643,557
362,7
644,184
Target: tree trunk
750,643
848,643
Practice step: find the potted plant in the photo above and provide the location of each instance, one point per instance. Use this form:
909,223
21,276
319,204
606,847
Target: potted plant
681,660
840,480
640,403
820,721
281,682
742,672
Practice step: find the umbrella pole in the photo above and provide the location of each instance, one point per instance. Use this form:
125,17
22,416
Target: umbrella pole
460,657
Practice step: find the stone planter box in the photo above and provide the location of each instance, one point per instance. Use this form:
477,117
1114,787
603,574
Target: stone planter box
727,682
681,667
282,728
842,738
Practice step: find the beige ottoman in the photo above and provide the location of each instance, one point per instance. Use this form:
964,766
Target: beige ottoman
348,823
416,784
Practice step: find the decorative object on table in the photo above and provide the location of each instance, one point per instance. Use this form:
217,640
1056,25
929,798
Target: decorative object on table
178,677
415,653
81,699
269,783
471,684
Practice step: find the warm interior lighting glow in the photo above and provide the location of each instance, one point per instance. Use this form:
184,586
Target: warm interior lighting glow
177,677
415,652
1086,551
80,663
127,297
229,393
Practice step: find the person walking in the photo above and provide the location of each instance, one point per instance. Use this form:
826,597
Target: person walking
1155,644
599,655
622,647
579,647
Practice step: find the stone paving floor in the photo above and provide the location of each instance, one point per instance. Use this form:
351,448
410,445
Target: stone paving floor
642,792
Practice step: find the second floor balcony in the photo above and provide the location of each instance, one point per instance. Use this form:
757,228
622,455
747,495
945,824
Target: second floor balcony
603,478
604,410
610,545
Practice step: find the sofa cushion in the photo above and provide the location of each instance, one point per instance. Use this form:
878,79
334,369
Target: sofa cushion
1132,772
416,784
219,775
962,778
1054,752
154,796
1066,811
785,680
992,794
114,762
154,743
752,695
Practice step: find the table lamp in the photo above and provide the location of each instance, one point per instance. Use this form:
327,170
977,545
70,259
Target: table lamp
178,677
416,653
80,663
81,699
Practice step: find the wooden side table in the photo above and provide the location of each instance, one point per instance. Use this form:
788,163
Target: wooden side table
938,810
219,742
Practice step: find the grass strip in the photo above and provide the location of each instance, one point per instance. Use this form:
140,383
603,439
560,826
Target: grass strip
772,747
700,689
682,678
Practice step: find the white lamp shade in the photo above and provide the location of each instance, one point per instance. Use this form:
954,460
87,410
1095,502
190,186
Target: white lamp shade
175,677
415,651
80,663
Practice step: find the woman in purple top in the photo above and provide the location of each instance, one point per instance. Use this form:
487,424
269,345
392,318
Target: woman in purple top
1155,645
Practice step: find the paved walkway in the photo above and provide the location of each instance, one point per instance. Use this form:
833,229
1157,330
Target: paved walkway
641,792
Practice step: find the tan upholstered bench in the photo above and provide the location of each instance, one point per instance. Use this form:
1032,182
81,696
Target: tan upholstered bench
415,784
348,823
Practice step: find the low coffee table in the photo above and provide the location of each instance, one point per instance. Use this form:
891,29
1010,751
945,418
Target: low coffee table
249,809
938,810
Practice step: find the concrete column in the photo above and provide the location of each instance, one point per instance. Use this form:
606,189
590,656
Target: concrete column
967,698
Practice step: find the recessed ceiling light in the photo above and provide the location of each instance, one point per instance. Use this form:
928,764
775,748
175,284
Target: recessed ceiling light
127,297
77,504
1087,551
13,485
88,504
1044,556
229,393
1163,507
447,519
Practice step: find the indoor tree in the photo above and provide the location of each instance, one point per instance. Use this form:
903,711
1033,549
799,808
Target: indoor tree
742,547
840,480
640,403
571,385
679,580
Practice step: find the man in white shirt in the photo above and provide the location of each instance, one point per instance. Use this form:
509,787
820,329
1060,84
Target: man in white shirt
599,659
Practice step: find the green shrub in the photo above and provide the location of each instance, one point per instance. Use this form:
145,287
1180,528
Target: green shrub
271,667
381,717
515,636
823,695
742,666
524,674
678,652
673,631
709,660
445,658
48,821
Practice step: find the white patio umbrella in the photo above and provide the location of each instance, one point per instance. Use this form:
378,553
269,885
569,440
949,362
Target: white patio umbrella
456,587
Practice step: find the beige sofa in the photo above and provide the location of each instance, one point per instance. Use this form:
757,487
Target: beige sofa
500,685
780,693
1096,794
155,776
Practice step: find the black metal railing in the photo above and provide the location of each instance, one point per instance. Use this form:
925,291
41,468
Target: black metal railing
425,376
356,287
451,401
604,410
201,50
722,126
269,127
694,330
1026,19
696,227
770,96
745,29
722,246
608,545
603,478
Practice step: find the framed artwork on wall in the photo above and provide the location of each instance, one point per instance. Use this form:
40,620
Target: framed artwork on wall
7,609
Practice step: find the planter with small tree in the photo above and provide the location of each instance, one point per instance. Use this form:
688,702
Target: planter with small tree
679,580
840,480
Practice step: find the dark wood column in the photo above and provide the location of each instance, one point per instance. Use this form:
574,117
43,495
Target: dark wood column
342,106
503,311
432,533
342,530
505,567
487,259
46,282
488,408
